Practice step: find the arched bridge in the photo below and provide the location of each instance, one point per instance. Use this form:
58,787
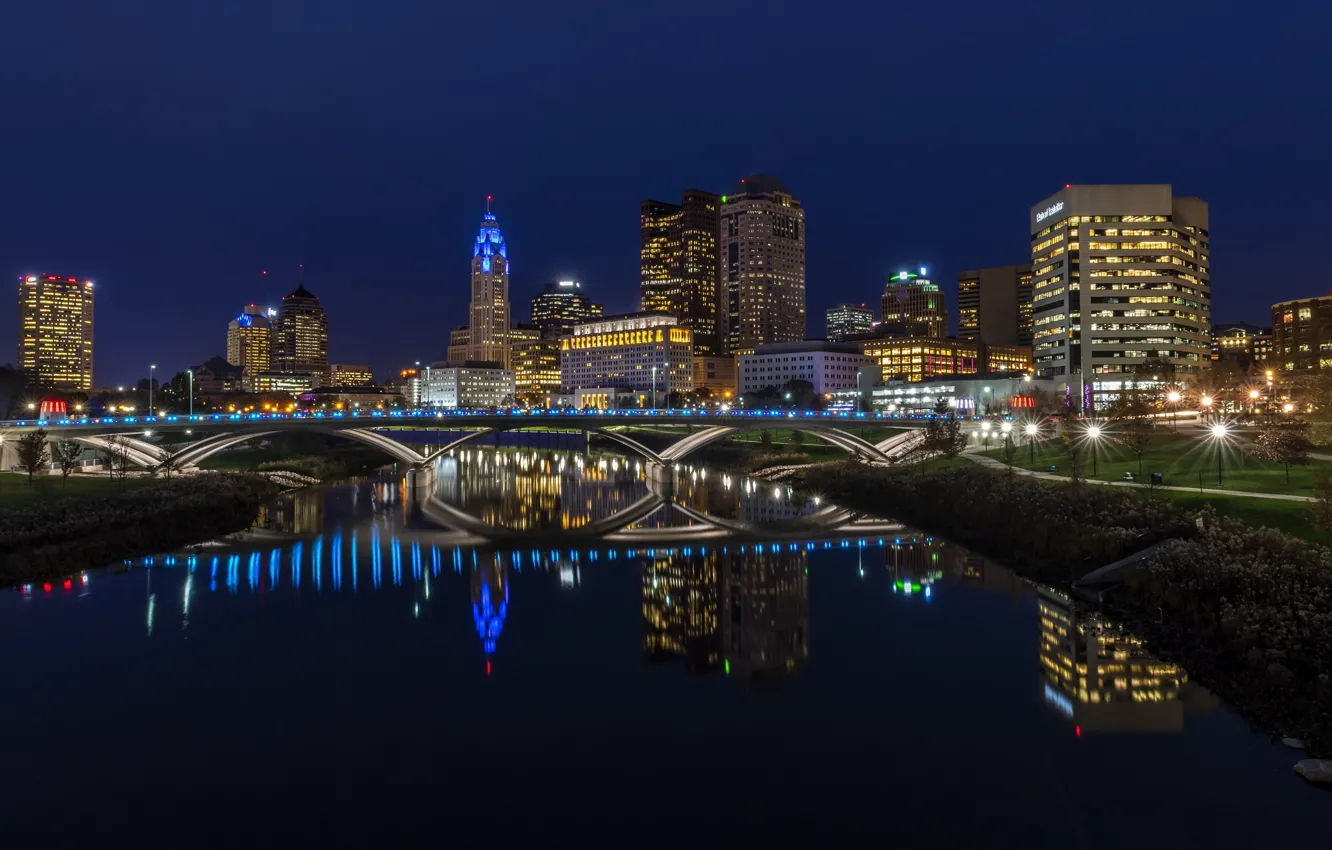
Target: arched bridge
203,435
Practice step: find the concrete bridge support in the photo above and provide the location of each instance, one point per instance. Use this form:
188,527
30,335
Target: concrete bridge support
661,479
421,482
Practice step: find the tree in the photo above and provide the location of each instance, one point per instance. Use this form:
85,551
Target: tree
1320,510
171,463
116,448
943,433
1131,411
67,454
797,440
32,452
1072,444
765,440
1285,441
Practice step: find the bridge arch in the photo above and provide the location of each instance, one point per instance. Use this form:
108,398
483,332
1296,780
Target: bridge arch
614,436
139,452
206,448
837,437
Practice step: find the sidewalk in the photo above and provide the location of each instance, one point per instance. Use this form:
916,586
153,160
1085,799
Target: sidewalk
993,463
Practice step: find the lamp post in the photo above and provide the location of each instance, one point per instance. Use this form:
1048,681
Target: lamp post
1031,443
1219,432
654,387
1269,395
1007,429
190,372
1094,432
1173,398
1206,403
152,367
985,434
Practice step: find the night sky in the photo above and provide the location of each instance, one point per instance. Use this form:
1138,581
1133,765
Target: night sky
172,150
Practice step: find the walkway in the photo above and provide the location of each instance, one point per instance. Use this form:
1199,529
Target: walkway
994,463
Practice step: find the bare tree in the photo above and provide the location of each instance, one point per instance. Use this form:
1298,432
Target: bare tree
171,461
32,452
1284,442
67,454
116,448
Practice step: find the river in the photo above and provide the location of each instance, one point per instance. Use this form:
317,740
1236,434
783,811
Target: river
348,675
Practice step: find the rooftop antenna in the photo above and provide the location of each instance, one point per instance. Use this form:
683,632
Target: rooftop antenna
488,204
300,275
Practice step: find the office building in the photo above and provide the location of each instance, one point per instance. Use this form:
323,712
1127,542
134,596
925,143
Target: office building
408,384
994,305
218,375
1302,334
678,264
291,383
642,352
915,359
536,363
55,347
350,375
1142,258
848,320
828,366
717,376
561,305
300,335
488,326
469,385
911,298
762,254
969,394
460,342
1241,344
250,342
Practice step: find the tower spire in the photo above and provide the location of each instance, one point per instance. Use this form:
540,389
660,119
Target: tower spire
488,204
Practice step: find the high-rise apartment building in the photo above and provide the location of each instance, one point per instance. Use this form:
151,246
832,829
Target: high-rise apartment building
1121,276
300,335
1302,334
488,327
56,331
678,263
848,320
762,265
994,305
561,305
250,343
912,300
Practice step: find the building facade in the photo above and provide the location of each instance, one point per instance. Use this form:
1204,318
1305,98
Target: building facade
350,375
636,351
55,347
828,366
1121,275
561,305
717,376
300,335
678,264
916,359
1302,334
250,343
848,320
536,363
994,305
468,385
1242,344
488,325
970,395
912,299
762,254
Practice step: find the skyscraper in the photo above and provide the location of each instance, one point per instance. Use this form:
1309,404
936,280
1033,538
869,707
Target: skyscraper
250,343
300,335
994,305
1143,258
763,264
848,320
560,306
911,299
678,264
56,331
488,325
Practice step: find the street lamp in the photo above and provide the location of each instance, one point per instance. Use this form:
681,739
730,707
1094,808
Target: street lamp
985,434
190,372
152,367
1094,432
1007,429
1173,398
654,387
1032,430
1219,433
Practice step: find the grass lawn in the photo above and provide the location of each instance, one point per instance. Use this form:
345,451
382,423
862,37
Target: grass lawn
15,491
1181,458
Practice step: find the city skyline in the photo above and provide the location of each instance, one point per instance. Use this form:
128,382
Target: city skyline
222,173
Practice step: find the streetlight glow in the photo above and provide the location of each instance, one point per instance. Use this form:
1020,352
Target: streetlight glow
1173,397
1032,429
1094,431
1219,431
1207,401
1253,393
1006,427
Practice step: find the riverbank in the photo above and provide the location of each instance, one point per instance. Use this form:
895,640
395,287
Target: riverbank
1247,611
60,536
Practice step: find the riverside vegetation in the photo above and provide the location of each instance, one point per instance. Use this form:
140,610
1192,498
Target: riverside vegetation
59,536
1248,611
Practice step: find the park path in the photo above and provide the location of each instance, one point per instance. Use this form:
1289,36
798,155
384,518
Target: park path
993,463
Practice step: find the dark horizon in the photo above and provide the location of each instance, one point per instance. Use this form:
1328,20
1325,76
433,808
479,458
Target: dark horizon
176,150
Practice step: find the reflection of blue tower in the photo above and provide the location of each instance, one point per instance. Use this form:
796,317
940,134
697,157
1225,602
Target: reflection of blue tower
490,605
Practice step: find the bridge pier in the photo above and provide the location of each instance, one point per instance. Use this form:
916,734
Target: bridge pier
661,479
420,483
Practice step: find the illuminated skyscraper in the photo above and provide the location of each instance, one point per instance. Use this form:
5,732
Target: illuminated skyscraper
848,320
56,331
912,300
488,325
300,335
250,343
678,264
560,306
763,264
994,305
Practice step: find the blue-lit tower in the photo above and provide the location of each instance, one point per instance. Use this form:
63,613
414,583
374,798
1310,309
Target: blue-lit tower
488,326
